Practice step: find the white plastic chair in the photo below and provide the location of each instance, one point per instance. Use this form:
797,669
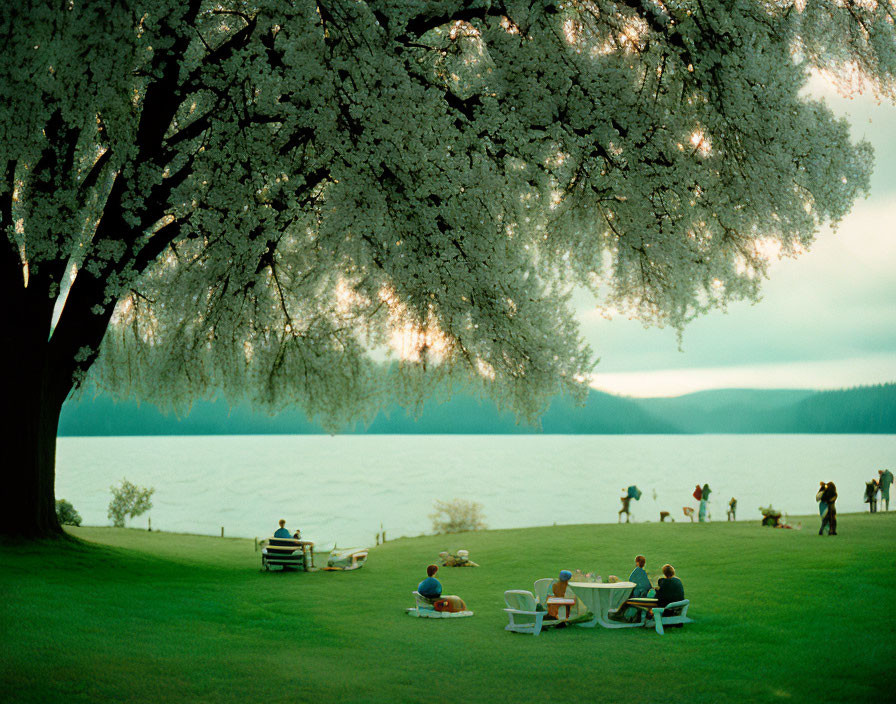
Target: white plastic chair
522,613
660,618
542,589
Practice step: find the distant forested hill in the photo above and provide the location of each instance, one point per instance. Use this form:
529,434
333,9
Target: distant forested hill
861,410
729,410
869,409
865,409
463,414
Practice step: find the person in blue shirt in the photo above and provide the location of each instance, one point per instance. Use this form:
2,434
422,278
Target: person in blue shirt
281,532
430,588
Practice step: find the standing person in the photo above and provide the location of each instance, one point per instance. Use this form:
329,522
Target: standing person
704,499
870,491
732,509
886,479
829,519
626,500
822,506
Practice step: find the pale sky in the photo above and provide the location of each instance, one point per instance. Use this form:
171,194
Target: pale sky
826,320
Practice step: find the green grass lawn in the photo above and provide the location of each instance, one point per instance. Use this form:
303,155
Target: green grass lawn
131,616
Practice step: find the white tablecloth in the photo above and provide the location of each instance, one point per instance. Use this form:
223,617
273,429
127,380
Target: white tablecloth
603,598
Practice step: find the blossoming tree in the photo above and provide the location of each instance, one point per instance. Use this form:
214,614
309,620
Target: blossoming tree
247,197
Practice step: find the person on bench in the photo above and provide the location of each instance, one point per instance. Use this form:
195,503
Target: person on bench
281,532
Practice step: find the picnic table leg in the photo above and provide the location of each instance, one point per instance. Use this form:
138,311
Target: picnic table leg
588,624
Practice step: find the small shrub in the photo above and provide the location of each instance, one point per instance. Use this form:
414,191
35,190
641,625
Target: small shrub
128,501
456,516
66,513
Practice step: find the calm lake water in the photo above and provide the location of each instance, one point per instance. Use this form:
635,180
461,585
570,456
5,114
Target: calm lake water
341,489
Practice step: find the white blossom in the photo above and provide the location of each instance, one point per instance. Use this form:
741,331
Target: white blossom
220,192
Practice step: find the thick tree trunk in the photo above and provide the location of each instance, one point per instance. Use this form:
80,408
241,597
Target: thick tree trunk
27,502
31,407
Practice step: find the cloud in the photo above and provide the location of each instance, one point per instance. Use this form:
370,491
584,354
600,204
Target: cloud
796,375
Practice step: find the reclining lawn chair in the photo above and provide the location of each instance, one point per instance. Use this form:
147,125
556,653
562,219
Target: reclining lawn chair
346,559
426,608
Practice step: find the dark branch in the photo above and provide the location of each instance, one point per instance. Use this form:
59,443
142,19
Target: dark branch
424,22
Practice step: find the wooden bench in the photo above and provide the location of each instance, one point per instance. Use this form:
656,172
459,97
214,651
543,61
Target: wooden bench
286,553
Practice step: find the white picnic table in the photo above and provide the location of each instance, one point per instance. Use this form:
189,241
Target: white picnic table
601,599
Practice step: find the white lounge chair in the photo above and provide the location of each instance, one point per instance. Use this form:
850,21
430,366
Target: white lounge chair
543,589
660,618
521,612
424,609
421,602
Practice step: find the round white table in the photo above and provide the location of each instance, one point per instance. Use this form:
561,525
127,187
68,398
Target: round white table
601,599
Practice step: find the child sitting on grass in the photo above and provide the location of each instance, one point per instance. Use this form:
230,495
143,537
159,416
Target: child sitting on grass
430,588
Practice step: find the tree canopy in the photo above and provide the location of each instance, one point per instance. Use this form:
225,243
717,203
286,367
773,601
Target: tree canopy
251,197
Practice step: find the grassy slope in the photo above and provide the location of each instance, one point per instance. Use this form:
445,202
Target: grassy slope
144,617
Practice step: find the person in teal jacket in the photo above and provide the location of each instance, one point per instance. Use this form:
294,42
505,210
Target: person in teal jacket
886,479
640,578
642,587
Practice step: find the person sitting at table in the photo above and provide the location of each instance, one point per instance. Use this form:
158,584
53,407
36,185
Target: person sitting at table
430,588
558,589
640,578
669,589
642,589
281,532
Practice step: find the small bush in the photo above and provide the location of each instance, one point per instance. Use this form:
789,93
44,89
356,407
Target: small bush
457,516
66,513
128,501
